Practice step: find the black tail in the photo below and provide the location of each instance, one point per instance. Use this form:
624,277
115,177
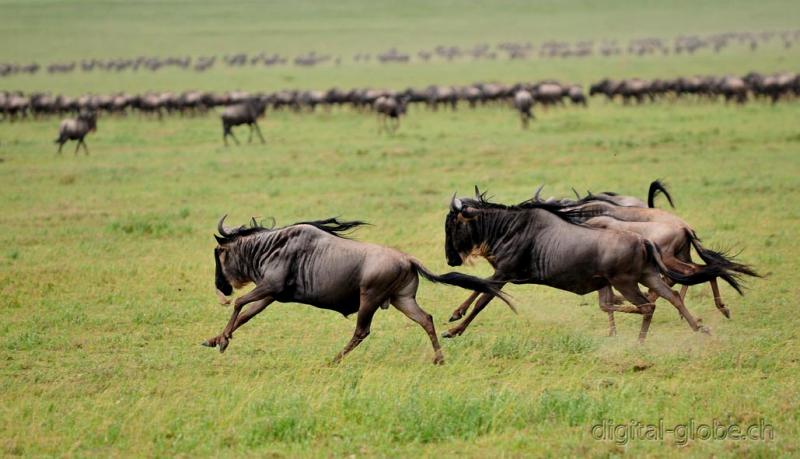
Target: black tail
719,258
658,187
706,273
464,281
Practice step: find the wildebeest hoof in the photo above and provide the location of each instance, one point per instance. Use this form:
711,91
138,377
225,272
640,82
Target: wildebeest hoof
725,312
456,316
208,343
223,344
705,330
438,360
450,334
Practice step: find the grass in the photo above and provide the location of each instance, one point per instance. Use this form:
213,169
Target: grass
106,273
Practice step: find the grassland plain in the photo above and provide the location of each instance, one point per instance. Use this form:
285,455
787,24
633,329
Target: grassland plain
106,269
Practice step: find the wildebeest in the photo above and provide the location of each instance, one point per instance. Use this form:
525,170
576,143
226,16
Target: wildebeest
671,234
390,109
247,112
313,263
77,129
534,243
576,95
523,102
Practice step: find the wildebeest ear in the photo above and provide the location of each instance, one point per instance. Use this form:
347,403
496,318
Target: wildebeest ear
220,240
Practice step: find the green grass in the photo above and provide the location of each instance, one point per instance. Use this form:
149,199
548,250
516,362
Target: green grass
106,268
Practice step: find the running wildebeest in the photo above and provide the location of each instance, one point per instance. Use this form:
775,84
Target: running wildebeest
534,243
247,112
77,129
313,263
523,102
673,237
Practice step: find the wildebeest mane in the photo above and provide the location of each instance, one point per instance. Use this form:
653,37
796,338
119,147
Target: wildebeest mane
330,225
334,226
481,201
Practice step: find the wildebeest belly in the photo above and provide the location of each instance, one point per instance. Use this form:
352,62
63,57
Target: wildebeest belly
345,303
576,283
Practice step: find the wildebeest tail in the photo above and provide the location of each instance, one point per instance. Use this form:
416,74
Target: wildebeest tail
657,186
464,281
703,274
720,258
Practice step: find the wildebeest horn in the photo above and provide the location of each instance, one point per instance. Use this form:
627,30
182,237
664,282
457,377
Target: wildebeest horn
477,192
456,203
577,196
539,190
220,228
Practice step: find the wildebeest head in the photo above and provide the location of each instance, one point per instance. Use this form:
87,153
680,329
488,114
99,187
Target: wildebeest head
459,242
228,274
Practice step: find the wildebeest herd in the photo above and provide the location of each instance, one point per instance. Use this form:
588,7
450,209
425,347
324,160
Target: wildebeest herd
646,46
390,105
596,243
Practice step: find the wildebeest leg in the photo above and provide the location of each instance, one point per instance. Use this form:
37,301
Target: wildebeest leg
718,299
459,329
251,312
408,306
77,147
655,282
85,148
366,310
607,304
641,305
230,133
250,137
258,131
461,310
60,145
261,292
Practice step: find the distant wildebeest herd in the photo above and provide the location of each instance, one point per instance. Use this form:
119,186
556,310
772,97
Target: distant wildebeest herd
597,243
647,46
240,108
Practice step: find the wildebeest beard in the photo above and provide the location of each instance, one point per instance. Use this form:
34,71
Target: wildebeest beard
220,281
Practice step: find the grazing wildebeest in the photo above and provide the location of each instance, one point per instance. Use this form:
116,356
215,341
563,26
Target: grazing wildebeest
247,112
77,129
390,109
534,243
576,95
523,102
313,263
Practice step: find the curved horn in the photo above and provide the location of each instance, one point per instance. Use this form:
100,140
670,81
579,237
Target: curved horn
220,228
477,192
577,196
539,190
456,204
